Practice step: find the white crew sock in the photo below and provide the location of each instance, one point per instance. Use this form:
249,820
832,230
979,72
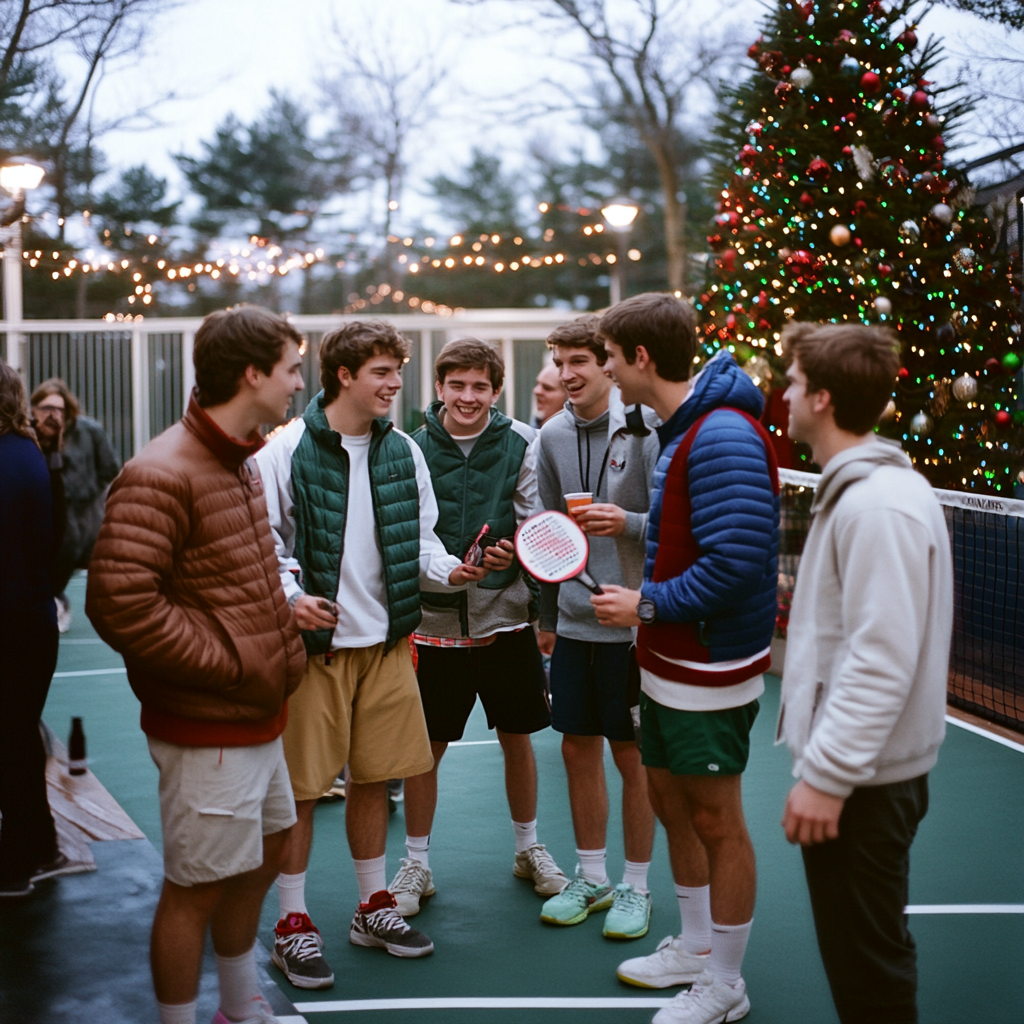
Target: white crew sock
239,989
418,848
728,944
291,893
635,874
592,864
695,911
177,1013
526,834
371,876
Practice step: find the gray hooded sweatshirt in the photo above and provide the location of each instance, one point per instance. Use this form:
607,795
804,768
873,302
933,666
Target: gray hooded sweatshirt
600,456
864,690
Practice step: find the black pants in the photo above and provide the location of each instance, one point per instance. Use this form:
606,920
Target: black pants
858,885
27,835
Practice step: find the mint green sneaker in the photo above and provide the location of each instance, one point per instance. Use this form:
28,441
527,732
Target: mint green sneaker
577,901
630,915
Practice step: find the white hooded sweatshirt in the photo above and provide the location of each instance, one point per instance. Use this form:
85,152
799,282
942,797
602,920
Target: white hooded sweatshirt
867,659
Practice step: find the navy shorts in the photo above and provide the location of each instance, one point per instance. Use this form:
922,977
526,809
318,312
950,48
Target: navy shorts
507,676
588,689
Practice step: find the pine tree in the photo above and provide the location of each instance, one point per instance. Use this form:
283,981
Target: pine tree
836,204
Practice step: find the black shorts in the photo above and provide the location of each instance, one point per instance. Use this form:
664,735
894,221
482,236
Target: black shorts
507,676
589,683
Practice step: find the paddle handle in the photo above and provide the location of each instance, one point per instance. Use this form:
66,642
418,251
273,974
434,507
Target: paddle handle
587,580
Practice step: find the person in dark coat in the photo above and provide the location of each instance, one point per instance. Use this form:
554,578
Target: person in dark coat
90,465
28,640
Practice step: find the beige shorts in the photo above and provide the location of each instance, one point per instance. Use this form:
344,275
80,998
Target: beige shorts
358,706
217,804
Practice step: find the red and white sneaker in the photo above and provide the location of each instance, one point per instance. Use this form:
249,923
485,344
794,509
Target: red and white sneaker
298,952
378,923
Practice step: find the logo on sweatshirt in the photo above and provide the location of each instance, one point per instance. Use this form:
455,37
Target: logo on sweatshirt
619,464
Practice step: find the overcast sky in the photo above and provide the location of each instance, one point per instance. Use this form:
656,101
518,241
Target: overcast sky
221,56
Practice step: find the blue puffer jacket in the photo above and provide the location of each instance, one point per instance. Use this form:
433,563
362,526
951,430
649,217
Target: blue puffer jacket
730,589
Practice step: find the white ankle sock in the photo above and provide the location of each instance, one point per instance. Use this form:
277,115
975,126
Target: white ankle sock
418,848
177,1013
592,864
635,874
371,876
728,944
695,911
239,989
526,834
291,893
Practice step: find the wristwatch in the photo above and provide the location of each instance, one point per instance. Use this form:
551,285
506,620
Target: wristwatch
646,611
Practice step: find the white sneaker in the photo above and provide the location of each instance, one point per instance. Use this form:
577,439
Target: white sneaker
668,965
707,1002
412,883
539,866
63,614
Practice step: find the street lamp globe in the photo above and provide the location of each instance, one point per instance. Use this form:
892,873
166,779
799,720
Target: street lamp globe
19,175
620,214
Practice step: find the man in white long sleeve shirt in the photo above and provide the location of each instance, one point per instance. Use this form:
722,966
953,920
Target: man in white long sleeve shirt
353,515
864,692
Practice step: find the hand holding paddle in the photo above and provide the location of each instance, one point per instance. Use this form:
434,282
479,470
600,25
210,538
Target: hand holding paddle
553,549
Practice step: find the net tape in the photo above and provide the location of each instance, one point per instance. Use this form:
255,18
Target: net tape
986,670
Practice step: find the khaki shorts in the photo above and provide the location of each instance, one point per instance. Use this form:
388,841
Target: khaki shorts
217,804
358,706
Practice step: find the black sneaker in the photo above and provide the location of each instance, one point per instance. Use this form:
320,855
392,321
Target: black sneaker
378,923
61,865
298,952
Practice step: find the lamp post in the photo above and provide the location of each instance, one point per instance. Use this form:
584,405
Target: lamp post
17,177
619,215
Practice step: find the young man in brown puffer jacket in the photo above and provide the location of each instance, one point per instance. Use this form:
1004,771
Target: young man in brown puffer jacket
184,584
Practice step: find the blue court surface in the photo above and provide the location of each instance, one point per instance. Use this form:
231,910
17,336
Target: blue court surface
78,951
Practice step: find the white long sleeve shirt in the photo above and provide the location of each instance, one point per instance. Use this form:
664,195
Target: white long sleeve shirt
361,598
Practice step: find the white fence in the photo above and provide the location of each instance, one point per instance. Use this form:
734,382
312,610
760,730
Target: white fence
134,376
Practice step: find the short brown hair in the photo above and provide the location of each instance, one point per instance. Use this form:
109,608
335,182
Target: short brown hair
352,345
470,354
855,363
580,333
55,386
231,340
666,327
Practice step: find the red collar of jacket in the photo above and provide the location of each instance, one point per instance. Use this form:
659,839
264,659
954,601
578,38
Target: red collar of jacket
231,452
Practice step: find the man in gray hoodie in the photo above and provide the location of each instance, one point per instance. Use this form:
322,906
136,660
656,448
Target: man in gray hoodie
590,447
864,692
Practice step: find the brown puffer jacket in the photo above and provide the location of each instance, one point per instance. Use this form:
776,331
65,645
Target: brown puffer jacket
184,583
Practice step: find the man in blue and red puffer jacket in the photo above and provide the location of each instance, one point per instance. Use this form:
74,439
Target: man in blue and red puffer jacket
706,613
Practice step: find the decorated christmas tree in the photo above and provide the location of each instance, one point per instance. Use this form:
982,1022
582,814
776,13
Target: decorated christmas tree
836,205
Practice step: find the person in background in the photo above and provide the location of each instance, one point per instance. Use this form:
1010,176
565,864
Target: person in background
48,423
548,394
28,647
864,693
89,466
183,583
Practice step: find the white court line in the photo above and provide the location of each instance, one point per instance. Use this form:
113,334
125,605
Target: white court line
91,672
966,908
471,743
501,1003
91,640
984,732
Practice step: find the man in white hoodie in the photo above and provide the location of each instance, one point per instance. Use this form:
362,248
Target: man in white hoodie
864,692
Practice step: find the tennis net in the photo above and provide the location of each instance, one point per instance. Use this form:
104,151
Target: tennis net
986,661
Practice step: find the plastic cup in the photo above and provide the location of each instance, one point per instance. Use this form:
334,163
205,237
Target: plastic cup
576,500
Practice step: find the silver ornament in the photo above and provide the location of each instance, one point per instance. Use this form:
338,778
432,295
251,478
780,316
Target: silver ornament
909,231
921,424
883,305
965,388
801,77
963,258
942,213
849,66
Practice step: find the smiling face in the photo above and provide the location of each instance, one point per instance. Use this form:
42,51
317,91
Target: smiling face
584,380
272,393
628,376
468,396
548,393
369,394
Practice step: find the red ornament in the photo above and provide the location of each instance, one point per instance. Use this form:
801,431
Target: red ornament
908,40
993,366
870,83
819,170
920,100
783,89
1003,418
786,69
847,151
748,155
728,260
807,199
898,95
705,298
770,61
755,49
804,11
763,325
843,38
884,269
903,373
938,144
857,242
730,322
860,206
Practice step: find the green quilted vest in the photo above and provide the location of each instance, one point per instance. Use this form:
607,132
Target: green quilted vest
320,487
473,491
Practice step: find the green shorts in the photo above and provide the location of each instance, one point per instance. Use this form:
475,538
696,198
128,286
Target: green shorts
696,742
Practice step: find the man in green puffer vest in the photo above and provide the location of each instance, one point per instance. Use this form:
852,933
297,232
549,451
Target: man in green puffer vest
478,642
353,515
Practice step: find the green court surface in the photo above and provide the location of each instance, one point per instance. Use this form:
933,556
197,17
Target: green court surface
496,962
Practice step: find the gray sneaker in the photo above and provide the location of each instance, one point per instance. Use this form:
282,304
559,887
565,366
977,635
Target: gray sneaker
539,866
298,952
378,923
413,883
